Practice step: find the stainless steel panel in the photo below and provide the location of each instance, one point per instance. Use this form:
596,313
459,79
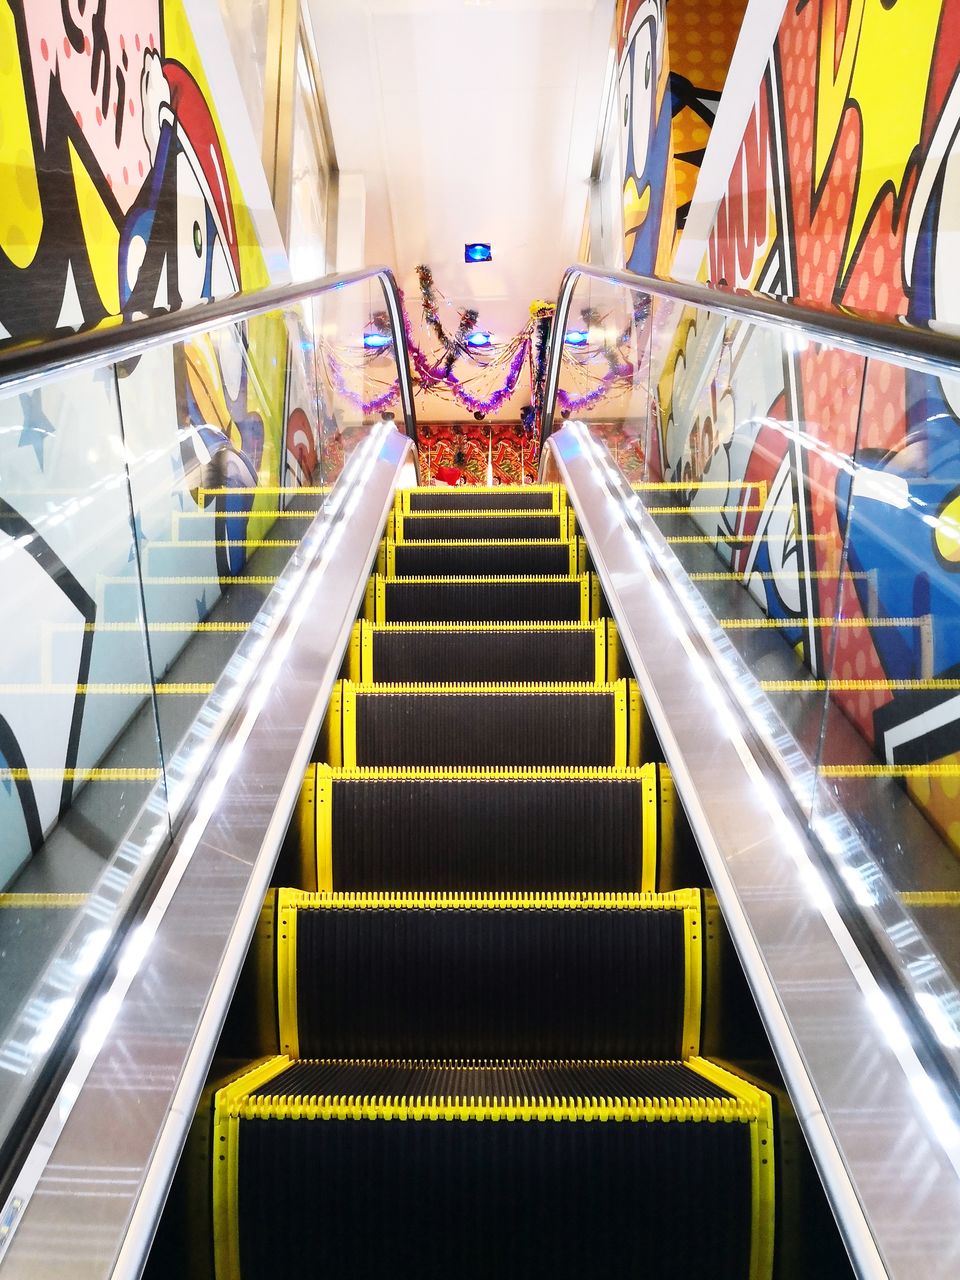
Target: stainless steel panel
882,1131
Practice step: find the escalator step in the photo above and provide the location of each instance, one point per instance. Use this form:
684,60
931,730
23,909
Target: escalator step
458,831
474,976
529,599
499,652
428,1169
482,725
482,559
472,831
434,526
546,497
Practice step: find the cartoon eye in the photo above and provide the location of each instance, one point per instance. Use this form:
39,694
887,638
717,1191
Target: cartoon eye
197,239
642,104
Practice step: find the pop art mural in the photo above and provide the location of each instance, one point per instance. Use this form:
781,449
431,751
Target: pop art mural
123,199
842,193
673,57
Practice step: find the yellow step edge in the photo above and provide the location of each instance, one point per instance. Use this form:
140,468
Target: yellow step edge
226,1144
569,900
746,1103
762,1160
26,901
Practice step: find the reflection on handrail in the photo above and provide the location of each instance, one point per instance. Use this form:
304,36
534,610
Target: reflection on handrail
924,349
25,366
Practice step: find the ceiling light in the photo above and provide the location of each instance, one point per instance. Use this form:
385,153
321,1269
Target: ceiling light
374,340
477,253
479,338
575,337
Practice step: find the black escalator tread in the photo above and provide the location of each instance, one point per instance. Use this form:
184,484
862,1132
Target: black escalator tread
489,976
518,831
481,559
475,498
480,526
499,652
484,725
366,1183
527,599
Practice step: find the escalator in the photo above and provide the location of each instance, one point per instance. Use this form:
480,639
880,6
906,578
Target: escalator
488,987
467,980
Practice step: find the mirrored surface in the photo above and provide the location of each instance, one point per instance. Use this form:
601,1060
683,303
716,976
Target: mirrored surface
809,494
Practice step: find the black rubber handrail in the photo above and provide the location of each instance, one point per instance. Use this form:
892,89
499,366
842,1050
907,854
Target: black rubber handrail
931,351
25,366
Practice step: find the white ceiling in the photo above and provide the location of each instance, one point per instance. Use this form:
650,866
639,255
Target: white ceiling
469,120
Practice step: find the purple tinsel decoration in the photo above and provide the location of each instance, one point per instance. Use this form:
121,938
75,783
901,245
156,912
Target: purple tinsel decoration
431,375
590,398
352,397
499,397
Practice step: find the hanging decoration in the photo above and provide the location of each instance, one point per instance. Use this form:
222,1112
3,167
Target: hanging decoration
439,378
495,368
541,313
457,345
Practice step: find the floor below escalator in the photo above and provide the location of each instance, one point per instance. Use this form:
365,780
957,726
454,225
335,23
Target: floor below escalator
491,1024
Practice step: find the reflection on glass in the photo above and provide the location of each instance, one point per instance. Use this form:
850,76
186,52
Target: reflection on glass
891,744
811,497
147,510
79,755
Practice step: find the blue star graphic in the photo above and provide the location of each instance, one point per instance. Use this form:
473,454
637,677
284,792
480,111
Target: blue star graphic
201,604
37,427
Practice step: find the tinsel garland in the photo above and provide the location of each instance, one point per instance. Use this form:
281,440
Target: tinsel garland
457,345
571,403
542,331
352,397
441,377
493,402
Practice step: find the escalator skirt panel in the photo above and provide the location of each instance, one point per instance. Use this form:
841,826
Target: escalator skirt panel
489,975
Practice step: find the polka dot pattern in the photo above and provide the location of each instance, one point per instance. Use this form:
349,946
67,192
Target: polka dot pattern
701,36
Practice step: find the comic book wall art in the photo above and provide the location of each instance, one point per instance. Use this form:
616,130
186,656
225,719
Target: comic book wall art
122,199
673,57
844,193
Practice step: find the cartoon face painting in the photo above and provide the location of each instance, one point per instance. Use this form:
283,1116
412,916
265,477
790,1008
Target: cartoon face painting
126,206
644,131
178,246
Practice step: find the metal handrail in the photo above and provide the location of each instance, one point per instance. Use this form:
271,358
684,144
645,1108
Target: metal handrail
24,367
929,351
